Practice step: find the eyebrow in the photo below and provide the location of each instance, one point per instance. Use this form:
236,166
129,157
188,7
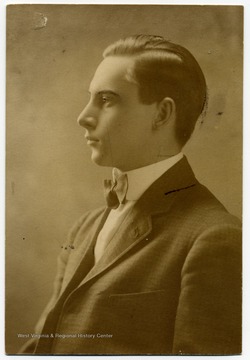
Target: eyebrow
106,92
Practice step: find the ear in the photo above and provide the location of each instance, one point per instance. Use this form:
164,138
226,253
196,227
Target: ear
166,112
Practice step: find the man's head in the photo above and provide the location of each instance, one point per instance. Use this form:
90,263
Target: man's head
146,96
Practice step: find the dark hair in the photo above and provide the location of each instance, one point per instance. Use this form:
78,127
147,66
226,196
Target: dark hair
164,69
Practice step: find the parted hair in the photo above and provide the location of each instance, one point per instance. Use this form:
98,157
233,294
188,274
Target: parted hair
164,69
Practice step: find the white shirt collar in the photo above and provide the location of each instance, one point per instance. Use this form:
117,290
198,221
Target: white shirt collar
140,179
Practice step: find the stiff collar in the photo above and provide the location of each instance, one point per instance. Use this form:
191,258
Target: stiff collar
139,180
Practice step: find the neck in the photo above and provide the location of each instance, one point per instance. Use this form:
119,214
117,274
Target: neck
160,157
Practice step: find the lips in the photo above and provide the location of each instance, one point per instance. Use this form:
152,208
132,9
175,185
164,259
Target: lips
91,140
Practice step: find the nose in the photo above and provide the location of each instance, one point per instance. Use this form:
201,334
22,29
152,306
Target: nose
87,117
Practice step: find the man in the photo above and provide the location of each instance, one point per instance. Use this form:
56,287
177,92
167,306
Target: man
158,270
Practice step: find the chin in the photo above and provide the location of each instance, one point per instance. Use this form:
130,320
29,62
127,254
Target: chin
100,160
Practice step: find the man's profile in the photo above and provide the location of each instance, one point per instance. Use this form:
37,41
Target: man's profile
157,270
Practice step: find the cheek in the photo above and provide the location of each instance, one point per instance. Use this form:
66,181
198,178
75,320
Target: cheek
125,126
117,123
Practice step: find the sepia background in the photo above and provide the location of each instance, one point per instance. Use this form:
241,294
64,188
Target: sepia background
52,53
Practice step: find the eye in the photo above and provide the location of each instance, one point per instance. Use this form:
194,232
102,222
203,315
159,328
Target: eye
105,99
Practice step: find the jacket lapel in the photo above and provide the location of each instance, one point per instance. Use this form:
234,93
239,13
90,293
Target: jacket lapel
133,230
138,224
136,227
84,253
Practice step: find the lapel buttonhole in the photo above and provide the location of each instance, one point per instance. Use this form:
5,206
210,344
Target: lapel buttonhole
136,232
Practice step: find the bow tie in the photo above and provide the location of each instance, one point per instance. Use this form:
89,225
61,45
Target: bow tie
115,191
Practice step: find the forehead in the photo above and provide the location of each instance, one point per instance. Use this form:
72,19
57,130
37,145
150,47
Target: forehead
112,74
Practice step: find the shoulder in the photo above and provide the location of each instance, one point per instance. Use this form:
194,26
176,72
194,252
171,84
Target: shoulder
185,203
198,206
196,219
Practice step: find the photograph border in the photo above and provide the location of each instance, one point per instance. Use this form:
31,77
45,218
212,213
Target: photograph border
246,160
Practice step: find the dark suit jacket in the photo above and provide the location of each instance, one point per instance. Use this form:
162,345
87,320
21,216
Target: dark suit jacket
168,283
